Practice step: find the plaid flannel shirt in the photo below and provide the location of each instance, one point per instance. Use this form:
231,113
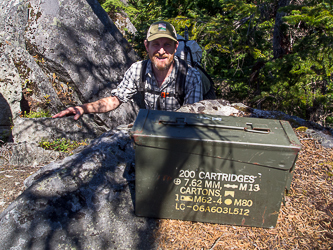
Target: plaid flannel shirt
130,83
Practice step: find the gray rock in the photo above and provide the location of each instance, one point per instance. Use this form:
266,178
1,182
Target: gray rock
27,154
55,54
84,201
123,23
10,92
36,129
325,139
213,107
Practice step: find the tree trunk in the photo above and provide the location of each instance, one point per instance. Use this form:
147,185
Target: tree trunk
279,47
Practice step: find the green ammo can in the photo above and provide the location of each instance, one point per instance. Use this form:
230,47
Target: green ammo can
197,167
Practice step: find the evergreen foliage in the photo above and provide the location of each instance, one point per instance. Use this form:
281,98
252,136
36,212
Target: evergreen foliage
237,37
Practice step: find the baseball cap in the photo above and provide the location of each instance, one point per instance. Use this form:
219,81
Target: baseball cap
161,29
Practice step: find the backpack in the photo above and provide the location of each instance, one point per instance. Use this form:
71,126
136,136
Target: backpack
191,52
188,52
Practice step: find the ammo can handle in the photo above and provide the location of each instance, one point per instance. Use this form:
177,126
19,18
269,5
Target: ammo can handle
199,124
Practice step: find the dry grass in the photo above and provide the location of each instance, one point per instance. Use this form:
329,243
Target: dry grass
305,222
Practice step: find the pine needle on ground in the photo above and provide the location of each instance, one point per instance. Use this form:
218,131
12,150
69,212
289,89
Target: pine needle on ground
305,222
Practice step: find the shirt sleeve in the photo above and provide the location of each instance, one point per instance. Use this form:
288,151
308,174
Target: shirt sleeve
127,87
193,86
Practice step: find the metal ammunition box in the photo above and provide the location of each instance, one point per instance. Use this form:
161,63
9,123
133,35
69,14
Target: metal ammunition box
228,170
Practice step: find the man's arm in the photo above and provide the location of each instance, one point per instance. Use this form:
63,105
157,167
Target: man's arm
125,90
101,106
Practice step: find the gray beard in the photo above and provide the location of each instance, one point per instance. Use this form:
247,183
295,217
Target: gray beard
166,67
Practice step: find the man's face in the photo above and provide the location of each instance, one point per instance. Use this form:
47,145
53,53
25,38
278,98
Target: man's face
161,52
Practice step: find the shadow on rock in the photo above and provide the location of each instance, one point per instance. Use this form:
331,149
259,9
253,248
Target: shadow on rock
83,202
5,120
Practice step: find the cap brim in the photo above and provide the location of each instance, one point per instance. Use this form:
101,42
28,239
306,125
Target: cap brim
156,36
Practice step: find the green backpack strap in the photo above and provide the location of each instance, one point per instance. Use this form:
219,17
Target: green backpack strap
141,85
180,81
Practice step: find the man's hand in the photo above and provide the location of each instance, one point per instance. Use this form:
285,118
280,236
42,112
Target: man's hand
77,111
101,106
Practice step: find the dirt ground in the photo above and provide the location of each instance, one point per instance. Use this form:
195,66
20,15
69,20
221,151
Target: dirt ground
305,222
11,183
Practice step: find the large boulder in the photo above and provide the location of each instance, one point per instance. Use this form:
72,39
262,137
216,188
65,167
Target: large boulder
54,54
84,201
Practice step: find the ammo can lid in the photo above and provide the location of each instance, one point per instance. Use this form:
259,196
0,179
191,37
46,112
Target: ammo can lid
266,142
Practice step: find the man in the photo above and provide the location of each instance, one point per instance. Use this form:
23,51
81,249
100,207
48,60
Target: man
160,77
